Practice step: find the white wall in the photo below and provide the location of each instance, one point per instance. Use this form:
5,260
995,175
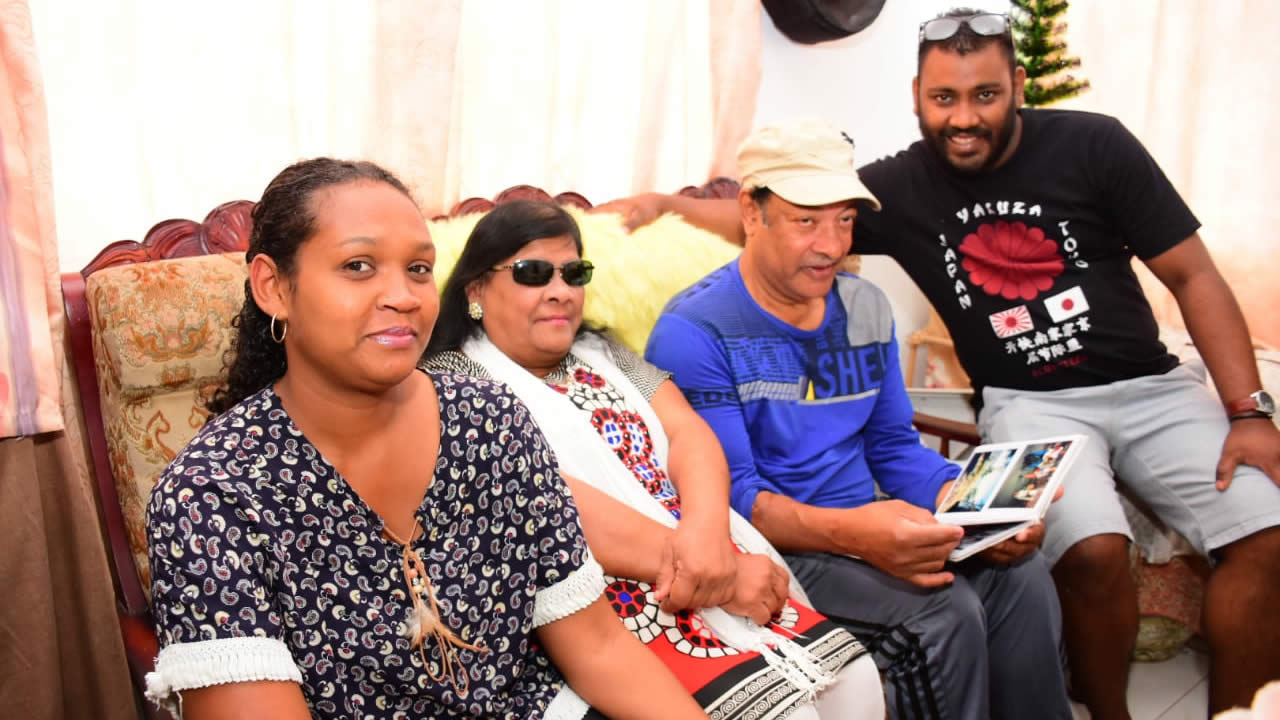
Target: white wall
862,84
162,109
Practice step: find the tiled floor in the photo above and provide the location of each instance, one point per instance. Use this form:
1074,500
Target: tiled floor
1177,689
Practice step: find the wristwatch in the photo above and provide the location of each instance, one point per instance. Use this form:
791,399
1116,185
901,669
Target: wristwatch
1257,404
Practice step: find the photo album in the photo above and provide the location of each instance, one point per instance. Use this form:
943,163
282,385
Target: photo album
1006,487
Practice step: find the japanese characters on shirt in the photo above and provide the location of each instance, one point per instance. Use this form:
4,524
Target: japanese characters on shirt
1004,252
1030,265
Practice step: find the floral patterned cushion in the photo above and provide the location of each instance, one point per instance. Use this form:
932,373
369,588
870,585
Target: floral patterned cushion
1169,602
165,323
160,331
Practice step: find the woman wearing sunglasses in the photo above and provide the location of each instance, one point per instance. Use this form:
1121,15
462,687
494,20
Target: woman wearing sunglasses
350,537
693,581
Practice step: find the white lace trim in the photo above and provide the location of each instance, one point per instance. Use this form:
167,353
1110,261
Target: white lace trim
184,666
578,590
566,705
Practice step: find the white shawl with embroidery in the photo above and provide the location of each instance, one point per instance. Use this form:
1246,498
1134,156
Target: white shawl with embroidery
582,453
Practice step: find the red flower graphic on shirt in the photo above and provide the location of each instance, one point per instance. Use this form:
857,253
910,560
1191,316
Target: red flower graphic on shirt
1011,260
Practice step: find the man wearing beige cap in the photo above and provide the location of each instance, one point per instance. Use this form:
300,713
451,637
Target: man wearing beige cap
795,366
1021,227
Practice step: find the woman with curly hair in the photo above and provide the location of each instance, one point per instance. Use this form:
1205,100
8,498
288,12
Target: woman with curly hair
352,537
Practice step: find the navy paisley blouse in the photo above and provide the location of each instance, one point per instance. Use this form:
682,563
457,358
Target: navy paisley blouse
267,565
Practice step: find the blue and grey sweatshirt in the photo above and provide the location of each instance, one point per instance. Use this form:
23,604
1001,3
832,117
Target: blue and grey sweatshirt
819,416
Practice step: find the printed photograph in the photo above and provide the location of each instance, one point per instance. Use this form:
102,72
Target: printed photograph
979,481
1038,464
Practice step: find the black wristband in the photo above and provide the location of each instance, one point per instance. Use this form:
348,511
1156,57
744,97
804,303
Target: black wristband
1251,415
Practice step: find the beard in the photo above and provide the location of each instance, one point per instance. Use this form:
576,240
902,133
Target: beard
998,140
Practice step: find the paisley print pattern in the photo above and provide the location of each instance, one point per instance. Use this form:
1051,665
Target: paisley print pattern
254,534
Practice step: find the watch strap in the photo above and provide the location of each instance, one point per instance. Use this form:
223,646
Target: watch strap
1249,403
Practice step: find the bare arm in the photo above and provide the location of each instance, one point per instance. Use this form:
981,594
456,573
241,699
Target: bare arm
1213,318
896,537
610,669
695,461
625,542
700,473
718,216
1217,327
246,701
629,544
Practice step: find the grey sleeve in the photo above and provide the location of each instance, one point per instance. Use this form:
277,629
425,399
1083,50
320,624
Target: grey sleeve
643,374
455,363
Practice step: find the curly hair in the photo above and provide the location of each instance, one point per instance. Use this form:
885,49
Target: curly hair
282,220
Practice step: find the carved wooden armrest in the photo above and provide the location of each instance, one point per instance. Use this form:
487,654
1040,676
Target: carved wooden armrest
946,431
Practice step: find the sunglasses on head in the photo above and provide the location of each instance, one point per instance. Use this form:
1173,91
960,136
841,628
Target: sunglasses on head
985,24
536,273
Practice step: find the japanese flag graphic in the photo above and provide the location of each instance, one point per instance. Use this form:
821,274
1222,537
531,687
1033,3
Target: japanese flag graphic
1013,321
1066,304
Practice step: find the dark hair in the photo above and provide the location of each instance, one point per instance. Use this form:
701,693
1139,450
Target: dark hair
499,235
760,196
282,220
967,41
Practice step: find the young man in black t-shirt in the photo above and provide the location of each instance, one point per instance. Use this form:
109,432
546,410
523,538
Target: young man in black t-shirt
1020,226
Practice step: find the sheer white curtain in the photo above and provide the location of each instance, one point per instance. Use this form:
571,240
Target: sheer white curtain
602,98
162,109
61,655
31,313
1194,80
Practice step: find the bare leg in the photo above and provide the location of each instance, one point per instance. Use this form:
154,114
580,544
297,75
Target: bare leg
1099,621
1241,607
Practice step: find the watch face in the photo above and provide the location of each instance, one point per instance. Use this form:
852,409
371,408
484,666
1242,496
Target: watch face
1266,404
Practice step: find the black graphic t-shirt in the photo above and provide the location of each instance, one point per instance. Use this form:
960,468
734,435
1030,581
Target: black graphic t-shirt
1029,265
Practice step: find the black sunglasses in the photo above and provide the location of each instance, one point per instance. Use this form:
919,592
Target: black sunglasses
985,24
536,273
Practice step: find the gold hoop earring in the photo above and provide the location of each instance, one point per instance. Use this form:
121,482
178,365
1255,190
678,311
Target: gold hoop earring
474,311
284,324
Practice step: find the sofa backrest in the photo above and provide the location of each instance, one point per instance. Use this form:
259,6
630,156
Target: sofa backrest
156,330
160,332
124,386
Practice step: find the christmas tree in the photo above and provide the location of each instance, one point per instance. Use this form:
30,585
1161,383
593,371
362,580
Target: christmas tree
1037,38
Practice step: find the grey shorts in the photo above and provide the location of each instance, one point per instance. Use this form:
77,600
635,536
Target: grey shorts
1160,437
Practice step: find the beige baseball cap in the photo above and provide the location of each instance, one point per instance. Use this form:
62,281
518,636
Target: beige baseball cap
805,161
